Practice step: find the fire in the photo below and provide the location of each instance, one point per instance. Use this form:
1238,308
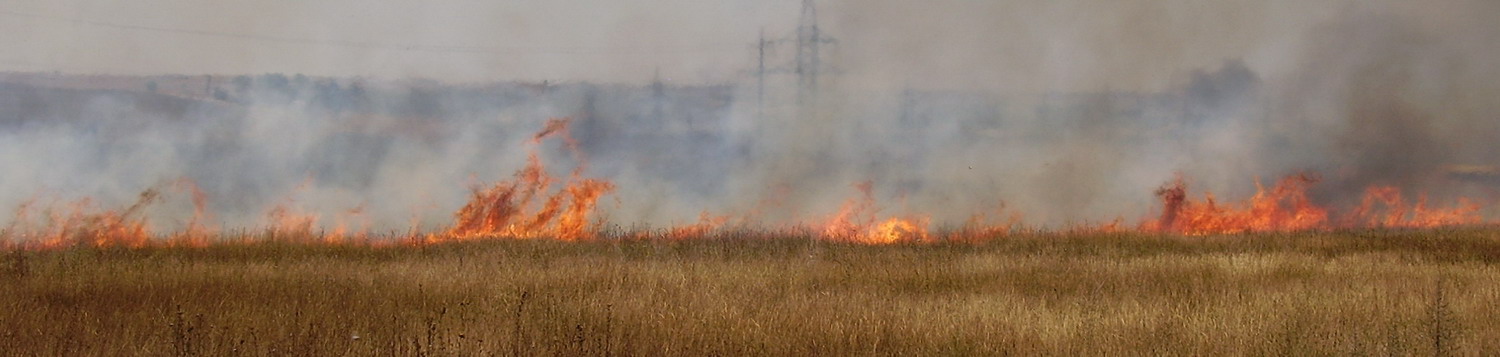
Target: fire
894,230
83,223
351,225
525,207
856,222
197,233
1286,207
1397,213
980,226
706,225
287,222
574,223
536,204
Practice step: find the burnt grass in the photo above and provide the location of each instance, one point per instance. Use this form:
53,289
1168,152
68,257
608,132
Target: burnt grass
1427,292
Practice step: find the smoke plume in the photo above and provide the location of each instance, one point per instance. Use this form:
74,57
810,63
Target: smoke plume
1065,112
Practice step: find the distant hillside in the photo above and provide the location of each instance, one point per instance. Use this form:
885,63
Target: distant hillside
22,103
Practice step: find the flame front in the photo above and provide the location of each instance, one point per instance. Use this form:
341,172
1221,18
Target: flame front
856,222
1383,206
1286,207
535,204
82,223
524,207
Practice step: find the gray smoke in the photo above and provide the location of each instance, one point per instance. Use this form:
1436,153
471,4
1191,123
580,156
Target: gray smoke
1064,111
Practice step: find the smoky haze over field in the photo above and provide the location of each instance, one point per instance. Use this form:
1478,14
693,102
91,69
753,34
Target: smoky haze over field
1065,111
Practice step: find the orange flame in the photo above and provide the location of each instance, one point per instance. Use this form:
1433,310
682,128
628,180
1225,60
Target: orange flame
290,223
342,230
1286,207
535,204
706,225
981,227
1397,214
856,222
82,223
196,233
509,209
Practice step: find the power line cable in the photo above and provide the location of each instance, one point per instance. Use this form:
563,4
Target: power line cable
451,49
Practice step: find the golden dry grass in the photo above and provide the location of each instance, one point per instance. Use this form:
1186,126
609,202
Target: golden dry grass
1365,293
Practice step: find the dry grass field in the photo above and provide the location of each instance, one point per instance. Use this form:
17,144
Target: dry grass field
1424,292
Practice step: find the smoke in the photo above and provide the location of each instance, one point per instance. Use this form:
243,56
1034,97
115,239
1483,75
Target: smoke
1108,99
1064,111
1376,100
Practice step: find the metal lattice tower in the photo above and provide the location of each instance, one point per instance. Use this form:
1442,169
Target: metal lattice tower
807,65
809,37
658,97
760,75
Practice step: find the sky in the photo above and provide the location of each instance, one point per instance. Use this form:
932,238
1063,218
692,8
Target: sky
447,40
1022,45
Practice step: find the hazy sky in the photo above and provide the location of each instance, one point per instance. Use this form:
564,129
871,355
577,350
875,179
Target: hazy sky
1031,45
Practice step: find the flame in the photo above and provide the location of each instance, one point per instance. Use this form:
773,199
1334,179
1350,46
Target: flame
981,226
1397,214
196,233
893,230
1286,207
342,230
82,223
706,225
535,204
523,207
856,222
287,222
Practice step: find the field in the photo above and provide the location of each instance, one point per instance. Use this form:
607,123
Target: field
1367,292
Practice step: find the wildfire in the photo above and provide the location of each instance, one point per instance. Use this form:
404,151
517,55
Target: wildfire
707,224
981,226
287,222
350,225
196,233
1286,207
1382,206
856,222
524,207
534,203
81,222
